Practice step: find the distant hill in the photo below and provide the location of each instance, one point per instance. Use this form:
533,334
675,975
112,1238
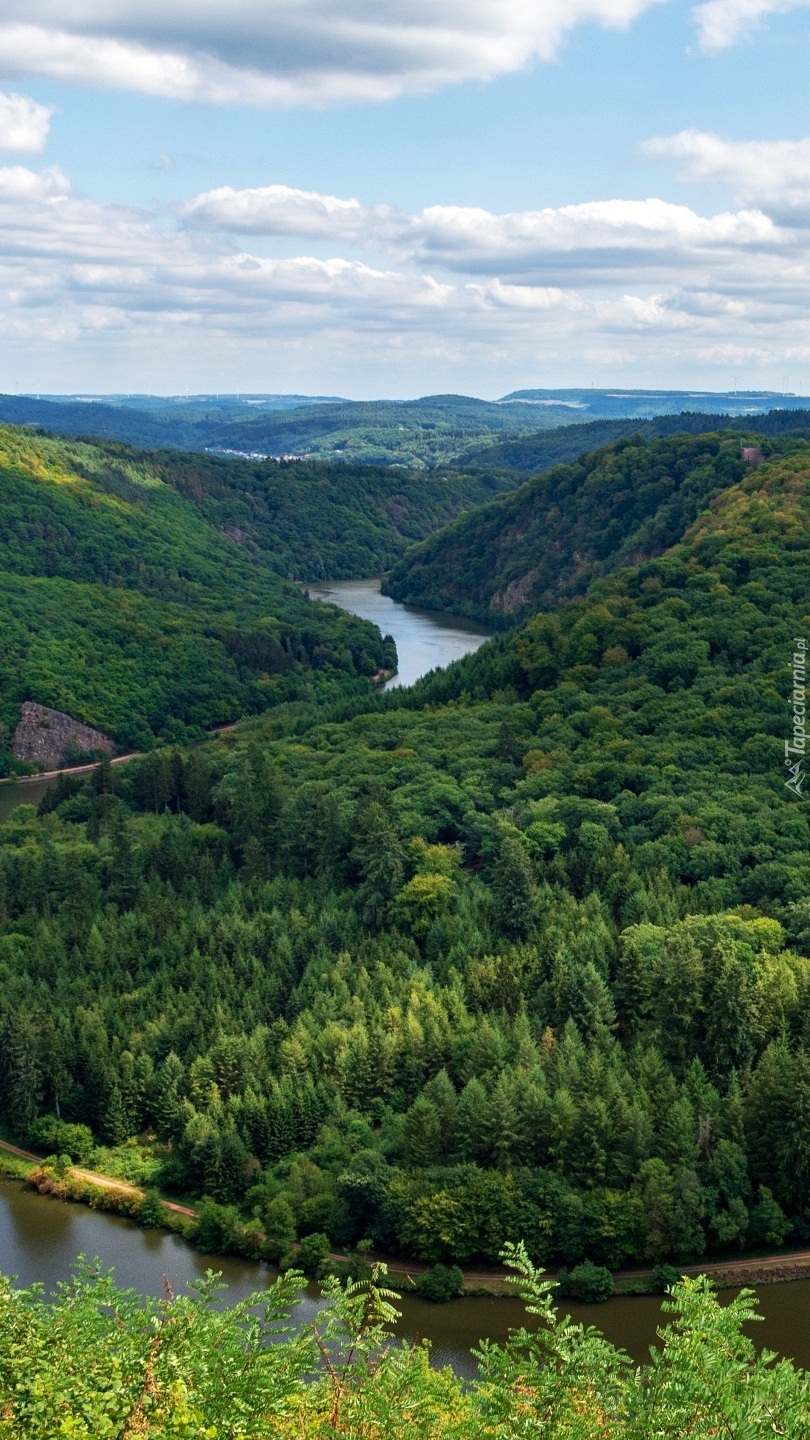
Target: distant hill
526,455
436,430
101,422
593,404
550,539
525,431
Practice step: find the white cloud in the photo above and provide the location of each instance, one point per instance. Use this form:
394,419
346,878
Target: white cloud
773,175
280,210
538,246
722,23
284,52
138,300
24,125
318,52
597,239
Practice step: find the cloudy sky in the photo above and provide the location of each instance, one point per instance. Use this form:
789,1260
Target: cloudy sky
394,197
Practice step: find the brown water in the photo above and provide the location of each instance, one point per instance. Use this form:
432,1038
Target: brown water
41,1237
14,793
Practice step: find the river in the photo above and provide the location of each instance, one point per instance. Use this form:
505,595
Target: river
425,639
40,1239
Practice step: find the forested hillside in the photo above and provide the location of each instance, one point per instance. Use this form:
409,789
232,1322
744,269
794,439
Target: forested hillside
521,953
435,430
322,521
548,540
528,454
123,606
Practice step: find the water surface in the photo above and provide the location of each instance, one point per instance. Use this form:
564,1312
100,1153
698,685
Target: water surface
40,1238
16,792
425,639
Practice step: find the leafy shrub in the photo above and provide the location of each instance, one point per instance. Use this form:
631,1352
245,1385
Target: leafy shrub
440,1284
58,1137
312,1253
664,1277
152,1212
586,1281
769,1224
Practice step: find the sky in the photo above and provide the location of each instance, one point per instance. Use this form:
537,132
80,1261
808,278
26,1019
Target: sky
401,197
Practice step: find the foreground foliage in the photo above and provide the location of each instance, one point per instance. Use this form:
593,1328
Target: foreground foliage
102,1364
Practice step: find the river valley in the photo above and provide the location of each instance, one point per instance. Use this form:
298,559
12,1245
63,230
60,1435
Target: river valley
41,1237
425,640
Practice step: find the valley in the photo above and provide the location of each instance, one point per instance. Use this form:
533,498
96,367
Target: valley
517,948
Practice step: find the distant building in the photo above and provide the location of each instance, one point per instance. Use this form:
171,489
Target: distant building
752,455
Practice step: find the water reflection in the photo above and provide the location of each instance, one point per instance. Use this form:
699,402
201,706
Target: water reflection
41,1237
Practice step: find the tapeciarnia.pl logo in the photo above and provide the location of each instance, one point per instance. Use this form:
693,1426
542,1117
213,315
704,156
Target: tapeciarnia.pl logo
796,747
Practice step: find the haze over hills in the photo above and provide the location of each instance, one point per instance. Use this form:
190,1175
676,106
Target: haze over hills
644,404
433,430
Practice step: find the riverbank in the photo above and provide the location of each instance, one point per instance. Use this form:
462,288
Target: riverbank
104,1192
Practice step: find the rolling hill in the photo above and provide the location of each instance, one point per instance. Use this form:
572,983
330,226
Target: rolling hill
530,549
123,606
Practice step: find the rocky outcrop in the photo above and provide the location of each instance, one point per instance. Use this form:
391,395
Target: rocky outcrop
516,596
49,739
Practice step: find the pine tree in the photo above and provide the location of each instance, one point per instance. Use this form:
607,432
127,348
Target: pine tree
513,890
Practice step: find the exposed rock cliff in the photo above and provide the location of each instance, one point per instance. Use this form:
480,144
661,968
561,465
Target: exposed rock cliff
47,738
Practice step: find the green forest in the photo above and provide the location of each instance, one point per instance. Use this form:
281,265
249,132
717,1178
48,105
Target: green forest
322,521
528,454
148,595
528,550
418,434
522,953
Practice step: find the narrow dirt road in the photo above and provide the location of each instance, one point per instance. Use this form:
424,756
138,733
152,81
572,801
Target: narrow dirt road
72,770
106,1182
86,769
748,1271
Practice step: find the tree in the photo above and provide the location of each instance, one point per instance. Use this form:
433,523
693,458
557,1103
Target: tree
423,1132
380,858
513,889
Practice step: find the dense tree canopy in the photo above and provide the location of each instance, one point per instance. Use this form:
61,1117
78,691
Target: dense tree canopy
521,952
550,539
325,521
